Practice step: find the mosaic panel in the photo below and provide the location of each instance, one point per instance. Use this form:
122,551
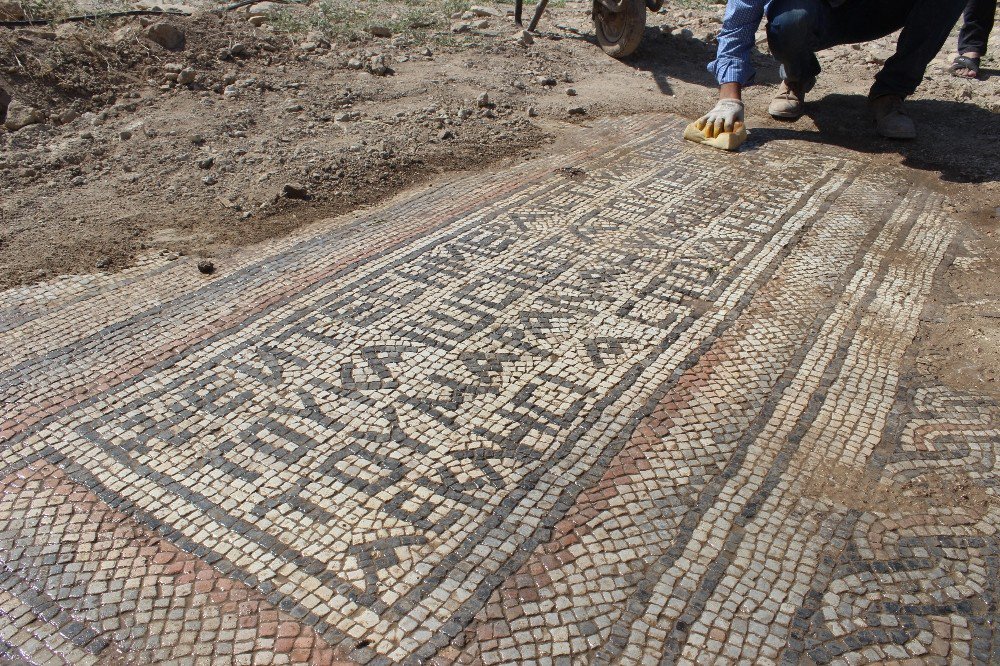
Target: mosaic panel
612,413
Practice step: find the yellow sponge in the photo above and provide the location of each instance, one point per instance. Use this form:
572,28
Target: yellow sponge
725,141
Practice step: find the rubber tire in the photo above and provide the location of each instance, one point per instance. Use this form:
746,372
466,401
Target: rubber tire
634,16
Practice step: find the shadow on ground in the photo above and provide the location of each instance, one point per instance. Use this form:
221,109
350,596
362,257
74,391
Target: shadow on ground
958,140
672,56
961,141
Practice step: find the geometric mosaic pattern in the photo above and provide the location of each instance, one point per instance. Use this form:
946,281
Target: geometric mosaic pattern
596,409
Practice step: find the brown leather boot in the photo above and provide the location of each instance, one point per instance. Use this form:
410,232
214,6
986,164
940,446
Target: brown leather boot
789,103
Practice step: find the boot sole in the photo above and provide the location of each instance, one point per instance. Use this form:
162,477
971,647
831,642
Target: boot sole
786,115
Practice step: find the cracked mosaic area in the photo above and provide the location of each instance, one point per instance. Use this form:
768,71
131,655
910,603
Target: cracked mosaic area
596,409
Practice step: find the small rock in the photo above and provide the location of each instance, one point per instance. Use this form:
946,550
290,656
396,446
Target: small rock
186,76
308,46
256,21
11,11
206,267
125,135
479,10
483,101
20,115
576,110
481,25
523,38
238,50
231,91
206,163
687,34
426,52
546,81
532,112
294,191
571,92
103,262
459,28
446,134
378,66
292,106
166,35
379,31
198,140
67,116
78,181
173,68
464,114
210,180
354,63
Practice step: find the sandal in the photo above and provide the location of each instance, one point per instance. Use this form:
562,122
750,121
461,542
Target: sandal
967,63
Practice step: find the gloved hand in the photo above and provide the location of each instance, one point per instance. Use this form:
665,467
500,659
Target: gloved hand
723,118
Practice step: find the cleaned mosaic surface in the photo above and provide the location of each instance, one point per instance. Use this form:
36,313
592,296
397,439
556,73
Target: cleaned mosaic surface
599,409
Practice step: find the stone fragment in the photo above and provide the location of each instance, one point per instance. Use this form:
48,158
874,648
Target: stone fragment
294,191
167,35
378,66
11,11
523,38
21,115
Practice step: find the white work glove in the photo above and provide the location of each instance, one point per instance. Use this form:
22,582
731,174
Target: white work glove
723,118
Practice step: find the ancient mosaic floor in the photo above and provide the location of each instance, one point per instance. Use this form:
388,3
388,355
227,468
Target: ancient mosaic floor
603,408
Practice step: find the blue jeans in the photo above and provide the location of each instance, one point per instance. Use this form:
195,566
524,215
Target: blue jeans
796,29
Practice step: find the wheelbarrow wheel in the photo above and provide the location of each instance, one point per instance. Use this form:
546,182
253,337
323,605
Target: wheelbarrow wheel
620,32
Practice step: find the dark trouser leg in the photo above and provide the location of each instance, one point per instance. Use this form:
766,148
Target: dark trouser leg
925,24
794,30
976,27
924,32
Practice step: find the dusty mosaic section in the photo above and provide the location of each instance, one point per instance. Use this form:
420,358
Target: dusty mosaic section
601,409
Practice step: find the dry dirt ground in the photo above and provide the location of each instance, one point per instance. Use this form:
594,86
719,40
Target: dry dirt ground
271,117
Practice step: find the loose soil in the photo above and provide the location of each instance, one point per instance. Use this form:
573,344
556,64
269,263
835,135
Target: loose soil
129,161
